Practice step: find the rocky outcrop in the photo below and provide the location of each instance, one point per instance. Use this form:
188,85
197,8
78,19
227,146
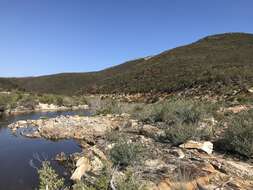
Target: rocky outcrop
203,146
65,127
51,107
41,107
193,165
83,165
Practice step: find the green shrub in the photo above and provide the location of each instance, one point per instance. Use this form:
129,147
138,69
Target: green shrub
126,153
49,180
83,186
180,133
47,99
28,101
113,136
129,182
238,136
174,111
59,101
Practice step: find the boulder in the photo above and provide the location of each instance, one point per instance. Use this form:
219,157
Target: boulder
205,146
250,90
83,165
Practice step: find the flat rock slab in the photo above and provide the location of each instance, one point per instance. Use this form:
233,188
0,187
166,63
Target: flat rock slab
75,127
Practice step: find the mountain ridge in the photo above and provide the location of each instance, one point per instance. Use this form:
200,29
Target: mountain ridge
225,59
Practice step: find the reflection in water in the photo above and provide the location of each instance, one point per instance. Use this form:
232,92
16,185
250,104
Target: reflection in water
17,151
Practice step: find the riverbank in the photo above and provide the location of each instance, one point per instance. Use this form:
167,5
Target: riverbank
42,108
17,102
122,144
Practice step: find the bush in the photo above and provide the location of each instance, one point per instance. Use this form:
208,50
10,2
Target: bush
238,136
102,181
47,99
83,186
174,111
129,182
49,180
126,153
180,133
28,101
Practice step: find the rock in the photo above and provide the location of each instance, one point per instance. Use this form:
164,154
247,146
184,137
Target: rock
237,109
96,165
61,157
178,152
76,127
250,90
98,153
149,131
237,168
206,146
80,107
154,164
83,165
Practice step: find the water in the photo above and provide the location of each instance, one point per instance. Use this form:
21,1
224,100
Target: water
17,151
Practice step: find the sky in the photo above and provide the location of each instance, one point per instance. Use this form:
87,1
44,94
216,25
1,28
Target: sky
40,37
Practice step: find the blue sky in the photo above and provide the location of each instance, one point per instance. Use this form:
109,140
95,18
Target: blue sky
39,37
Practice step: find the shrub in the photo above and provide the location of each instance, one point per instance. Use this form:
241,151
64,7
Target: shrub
126,153
102,181
49,180
113,136
28,101
174,111
59,101
82,186
47,99
129,182
238,136
180,133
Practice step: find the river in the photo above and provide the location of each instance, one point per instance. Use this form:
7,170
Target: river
16,153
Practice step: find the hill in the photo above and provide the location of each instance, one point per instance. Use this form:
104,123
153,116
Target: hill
214,62
7,84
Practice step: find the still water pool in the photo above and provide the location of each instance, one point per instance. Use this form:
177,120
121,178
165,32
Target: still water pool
16,153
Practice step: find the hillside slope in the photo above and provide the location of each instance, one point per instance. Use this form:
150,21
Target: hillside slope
223,59
7,84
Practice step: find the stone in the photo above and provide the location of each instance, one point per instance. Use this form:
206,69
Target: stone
96,165
61,157
98,153
178,152
149,130
250,90
237,168
206,146
154,164
237,109
75,127
83,165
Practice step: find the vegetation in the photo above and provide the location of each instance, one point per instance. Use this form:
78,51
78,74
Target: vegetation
129,182
180,133
49,180
220,63
14,99
239,135
174,111
126,153
181,119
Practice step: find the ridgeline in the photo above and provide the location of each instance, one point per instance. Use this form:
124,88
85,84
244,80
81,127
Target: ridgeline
215,62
